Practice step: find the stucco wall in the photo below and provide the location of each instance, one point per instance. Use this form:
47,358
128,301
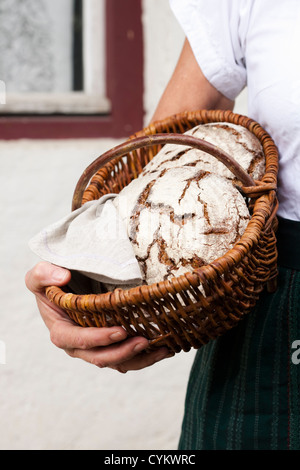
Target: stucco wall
48,400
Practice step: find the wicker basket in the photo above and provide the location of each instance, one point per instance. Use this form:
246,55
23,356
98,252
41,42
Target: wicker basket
190,310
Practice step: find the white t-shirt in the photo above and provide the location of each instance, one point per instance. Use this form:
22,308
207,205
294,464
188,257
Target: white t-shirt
255,43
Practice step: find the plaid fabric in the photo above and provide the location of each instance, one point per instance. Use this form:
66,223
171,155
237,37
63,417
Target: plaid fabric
244,389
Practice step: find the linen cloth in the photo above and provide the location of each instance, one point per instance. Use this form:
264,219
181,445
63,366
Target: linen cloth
92,240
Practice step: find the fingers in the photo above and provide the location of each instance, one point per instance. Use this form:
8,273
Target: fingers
67,336
143,360
99,346
103,347
130,355
46,274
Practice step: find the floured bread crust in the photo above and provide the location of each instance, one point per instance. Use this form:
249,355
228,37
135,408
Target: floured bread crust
234,139
185,208
179,219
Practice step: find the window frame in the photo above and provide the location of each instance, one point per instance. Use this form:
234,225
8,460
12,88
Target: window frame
124,87
89,94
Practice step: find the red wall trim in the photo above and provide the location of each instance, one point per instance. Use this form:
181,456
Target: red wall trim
124,55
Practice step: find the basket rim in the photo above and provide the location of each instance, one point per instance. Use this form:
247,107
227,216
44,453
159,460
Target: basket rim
138,295
264,212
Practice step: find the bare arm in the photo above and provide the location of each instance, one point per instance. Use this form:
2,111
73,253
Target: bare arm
188,89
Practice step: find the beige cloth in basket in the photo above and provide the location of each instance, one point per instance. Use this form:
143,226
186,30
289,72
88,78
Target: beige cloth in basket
93,241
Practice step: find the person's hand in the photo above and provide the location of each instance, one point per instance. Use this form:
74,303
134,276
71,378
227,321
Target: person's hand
103,347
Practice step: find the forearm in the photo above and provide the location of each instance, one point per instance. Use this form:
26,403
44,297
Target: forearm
189,90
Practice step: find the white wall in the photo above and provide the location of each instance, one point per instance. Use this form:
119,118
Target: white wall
48,400
163,42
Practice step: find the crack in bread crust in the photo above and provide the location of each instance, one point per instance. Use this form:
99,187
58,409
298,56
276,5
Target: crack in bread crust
236,140
182,214
157,252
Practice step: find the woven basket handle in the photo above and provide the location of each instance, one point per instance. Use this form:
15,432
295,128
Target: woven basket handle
156,139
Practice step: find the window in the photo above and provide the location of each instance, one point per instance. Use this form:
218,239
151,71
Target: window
71,69
54,57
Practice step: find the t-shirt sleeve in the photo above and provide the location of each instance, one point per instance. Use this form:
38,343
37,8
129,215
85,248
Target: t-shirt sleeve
214,31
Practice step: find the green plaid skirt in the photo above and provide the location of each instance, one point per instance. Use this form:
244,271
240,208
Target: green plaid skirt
244,387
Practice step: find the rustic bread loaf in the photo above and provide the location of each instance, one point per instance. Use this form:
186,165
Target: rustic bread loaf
179,219
185,208
234,139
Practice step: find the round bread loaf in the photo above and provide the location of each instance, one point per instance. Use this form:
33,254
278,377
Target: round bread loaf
185,209
179,219
234,139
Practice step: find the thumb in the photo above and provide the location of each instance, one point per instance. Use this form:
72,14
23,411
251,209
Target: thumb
45,274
